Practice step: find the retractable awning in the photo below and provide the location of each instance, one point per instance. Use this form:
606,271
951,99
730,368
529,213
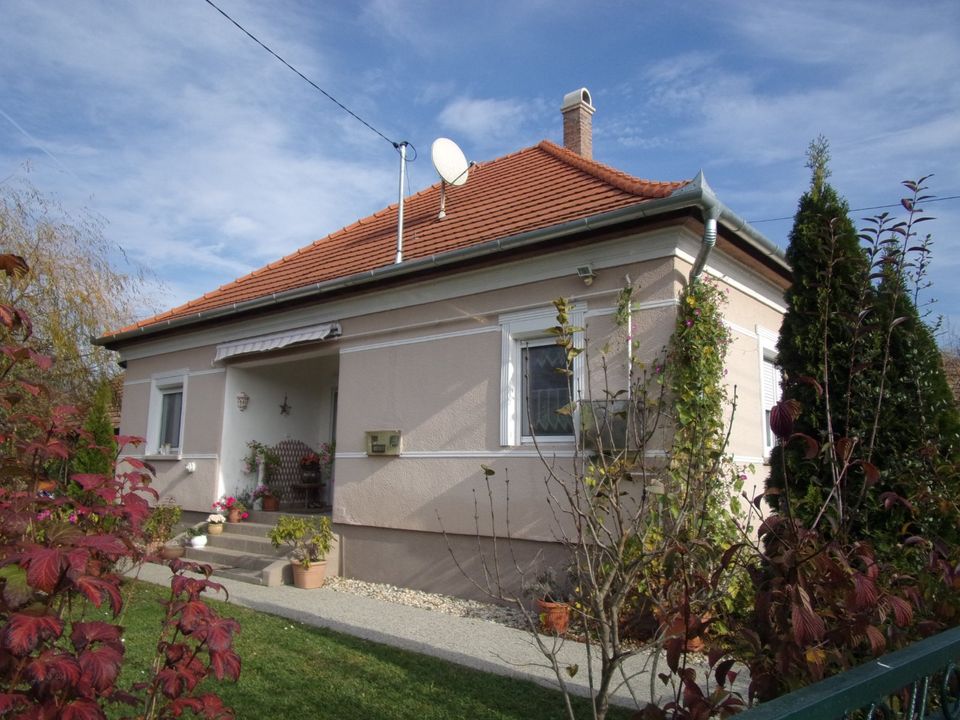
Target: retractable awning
277,340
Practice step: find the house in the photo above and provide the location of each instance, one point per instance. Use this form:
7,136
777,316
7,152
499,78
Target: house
341,342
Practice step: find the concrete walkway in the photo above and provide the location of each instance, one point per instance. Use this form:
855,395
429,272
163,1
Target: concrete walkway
466,641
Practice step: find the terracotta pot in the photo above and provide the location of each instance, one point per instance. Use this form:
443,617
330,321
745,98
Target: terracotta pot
309,578
554,616
234,515
169,552
693,634
214,528
271,503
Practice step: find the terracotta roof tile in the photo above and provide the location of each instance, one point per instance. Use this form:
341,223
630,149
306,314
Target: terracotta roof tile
534,188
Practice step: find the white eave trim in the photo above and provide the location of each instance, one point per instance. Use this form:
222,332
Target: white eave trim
277,340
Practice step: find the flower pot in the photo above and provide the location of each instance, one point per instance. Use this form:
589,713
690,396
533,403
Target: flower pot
554,617
214,528
169,552
234,515
198,541
309,578
271,503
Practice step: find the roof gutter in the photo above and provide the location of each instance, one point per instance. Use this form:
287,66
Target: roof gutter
697,193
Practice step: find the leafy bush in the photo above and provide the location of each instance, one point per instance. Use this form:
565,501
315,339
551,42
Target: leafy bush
62,539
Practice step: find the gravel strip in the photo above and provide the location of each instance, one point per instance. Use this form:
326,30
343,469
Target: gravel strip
509,616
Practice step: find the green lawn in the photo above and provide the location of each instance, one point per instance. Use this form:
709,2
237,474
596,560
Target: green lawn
291,670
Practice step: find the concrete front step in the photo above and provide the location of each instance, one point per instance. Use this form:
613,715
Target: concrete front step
243,552
255,529
269,570
246,543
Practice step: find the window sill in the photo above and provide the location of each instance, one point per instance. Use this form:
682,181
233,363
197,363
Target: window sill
172,457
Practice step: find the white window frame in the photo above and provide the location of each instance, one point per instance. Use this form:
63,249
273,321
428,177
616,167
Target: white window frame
516,329
161,385
770,387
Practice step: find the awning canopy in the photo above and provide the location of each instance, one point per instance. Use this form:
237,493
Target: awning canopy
277,340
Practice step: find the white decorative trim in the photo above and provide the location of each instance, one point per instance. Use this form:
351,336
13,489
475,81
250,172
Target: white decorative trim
160,382
421,339
766,352
467,454
768,337
172,374
185,456
211,371
635,307
729,280
529,325
637,248
740,329
749,460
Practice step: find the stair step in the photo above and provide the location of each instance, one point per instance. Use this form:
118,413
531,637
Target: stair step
247,544
242,566
273,574
226,556
255,529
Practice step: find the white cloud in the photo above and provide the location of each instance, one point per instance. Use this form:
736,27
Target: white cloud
485,120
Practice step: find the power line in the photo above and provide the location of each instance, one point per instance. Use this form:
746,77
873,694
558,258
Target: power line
330,97
872,207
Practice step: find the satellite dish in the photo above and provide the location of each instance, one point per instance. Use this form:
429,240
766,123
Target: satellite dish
452,167
450,162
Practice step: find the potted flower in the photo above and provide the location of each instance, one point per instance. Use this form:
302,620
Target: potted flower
215,523
158,527
313,464
197,538
550,598
268,501
310,539
235,510
260,459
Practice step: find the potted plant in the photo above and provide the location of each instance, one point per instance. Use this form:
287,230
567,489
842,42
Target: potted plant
268,501
260,459
197,538
158,527
550,597
314,464
309,538
233,508
215,523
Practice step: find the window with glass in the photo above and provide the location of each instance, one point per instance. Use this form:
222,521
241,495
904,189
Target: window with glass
545,390
171,410
770,390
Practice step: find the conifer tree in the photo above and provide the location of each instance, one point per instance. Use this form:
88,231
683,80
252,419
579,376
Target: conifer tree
916,436
821,335
97,449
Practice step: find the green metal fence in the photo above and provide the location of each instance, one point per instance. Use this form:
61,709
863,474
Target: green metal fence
917,682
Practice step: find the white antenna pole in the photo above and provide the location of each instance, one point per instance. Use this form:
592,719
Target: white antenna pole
403,172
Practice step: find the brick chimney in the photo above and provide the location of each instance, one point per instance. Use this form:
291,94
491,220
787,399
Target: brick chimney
578,122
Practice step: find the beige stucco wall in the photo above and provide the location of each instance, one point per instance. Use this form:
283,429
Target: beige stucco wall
191,478
432,369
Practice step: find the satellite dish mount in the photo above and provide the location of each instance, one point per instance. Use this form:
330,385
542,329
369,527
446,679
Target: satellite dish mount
452,167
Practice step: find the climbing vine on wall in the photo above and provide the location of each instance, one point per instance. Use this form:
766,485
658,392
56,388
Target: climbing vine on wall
699,466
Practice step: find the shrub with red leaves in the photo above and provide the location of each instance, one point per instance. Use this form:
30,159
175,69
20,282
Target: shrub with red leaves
61,542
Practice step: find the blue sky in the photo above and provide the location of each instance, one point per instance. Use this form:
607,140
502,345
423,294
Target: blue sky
207,158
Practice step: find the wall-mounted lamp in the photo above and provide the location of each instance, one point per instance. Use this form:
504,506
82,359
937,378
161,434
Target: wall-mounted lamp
242,401
586,274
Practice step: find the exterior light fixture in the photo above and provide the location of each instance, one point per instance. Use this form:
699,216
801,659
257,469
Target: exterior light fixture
242,401
586,274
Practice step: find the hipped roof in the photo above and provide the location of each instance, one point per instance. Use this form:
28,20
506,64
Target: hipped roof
538,187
